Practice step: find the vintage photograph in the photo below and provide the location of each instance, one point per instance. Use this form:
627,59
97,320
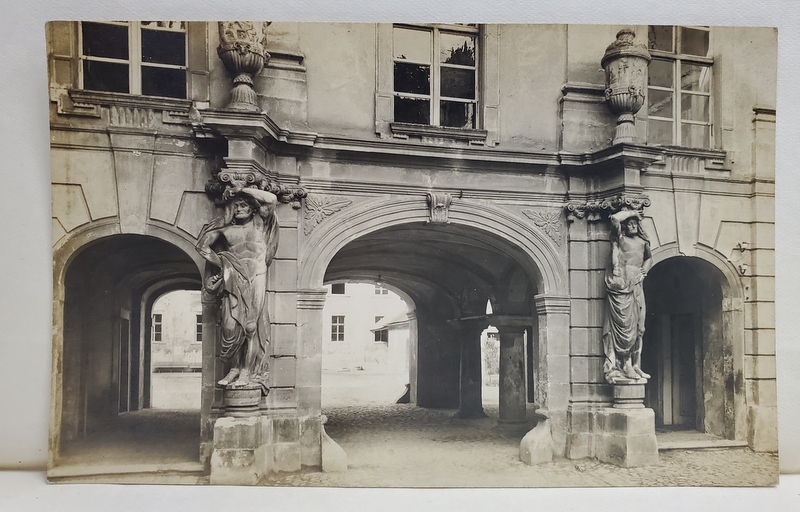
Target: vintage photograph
412,255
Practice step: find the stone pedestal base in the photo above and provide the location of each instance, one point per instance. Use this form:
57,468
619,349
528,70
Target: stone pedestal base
239,456
626,437
246,449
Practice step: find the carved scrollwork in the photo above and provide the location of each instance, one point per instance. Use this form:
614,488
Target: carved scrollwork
547,221
318,208
597,209
439,207
225,179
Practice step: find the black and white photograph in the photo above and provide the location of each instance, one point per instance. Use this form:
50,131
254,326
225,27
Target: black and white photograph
415,255
293,259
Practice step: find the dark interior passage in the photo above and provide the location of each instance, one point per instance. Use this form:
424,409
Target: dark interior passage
110,287
685,348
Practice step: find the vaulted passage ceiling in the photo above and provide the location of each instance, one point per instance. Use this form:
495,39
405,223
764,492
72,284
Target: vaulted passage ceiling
448,268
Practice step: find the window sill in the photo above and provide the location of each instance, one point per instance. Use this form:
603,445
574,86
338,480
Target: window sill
129,100
423,131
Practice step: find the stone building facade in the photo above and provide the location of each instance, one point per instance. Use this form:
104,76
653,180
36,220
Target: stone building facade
455,163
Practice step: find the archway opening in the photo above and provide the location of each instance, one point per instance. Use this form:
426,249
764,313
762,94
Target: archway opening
110,287
688,348
368,333
448,273
176,348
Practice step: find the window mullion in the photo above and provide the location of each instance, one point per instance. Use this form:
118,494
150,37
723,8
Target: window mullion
135,57
676,114
435,78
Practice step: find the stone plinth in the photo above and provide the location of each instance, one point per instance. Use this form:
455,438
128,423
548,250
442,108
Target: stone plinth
241,402
239,455
246,449
629,395
626,437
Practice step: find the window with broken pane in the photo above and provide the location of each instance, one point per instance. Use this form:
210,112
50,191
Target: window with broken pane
435,75
679,103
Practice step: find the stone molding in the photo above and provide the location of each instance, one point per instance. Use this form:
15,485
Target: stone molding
311,299
552,304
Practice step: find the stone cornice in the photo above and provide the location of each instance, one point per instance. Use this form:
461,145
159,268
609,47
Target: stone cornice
264,131
129,100
311,299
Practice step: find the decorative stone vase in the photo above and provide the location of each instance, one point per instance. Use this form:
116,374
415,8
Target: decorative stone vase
625,63
241,48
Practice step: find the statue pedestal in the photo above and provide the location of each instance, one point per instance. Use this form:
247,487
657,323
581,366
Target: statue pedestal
626,432
251,441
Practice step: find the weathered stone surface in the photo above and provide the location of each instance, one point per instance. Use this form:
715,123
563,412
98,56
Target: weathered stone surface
626,437
537,445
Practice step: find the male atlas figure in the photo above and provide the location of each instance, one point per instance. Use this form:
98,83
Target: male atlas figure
625,312
241,245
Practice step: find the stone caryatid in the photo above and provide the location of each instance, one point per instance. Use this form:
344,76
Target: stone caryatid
625,312
239,246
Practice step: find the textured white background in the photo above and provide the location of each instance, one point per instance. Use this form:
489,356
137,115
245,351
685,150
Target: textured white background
26,266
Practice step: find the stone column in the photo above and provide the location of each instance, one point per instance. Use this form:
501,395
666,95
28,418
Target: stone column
552,368
512,377
470,404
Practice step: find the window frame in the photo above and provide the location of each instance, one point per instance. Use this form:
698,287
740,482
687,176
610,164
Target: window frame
435,96
198,326
337,327
157,335
135,61
676,60
488,101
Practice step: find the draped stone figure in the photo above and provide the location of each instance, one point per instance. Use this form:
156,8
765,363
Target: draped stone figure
240,246
625,312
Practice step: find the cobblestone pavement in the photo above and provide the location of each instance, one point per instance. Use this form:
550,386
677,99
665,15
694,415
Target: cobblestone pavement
408,446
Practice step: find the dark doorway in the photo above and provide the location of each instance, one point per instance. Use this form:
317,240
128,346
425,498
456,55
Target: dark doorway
685,350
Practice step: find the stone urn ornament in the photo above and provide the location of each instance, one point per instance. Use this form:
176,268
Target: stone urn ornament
242,50
625,63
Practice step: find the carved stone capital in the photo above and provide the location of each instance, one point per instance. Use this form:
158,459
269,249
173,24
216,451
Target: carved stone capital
311,299
439,207
599,209
227,178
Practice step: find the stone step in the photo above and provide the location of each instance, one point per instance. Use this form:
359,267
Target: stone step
188,473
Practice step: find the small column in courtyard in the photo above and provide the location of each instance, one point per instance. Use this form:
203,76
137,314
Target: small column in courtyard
470,403
513,399
626,431
625,64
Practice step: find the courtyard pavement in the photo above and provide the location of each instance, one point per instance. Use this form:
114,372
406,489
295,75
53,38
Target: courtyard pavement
406,446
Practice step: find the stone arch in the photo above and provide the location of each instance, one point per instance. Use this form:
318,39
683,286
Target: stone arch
726,341
536,253
66,253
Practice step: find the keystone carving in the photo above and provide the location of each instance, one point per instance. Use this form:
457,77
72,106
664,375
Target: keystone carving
597,209
547,221
318,208
439,207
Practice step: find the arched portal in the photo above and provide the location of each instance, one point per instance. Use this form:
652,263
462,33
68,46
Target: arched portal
448,272
108,288
691,349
